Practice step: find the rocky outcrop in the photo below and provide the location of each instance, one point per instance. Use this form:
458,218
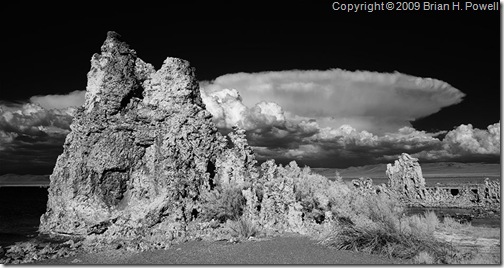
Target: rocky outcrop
363,184
145,165
271,200
489,193
236,165
141,151
405,177
406,181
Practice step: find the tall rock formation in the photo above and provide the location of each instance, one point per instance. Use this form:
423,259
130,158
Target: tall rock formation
141,150
405,177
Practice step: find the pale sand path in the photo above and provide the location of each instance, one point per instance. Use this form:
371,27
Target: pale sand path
290,249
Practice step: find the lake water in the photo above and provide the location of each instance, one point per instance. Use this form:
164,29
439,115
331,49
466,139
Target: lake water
20,211
494,222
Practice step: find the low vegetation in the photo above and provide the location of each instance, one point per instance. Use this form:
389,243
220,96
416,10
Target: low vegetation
375,223
243,229
359,219
224,203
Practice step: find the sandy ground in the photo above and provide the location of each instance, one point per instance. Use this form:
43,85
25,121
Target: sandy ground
287,249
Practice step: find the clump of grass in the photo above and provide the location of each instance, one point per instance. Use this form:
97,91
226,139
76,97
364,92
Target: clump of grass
420,225
423,258
243,228
479,259
224,204
451,223
391,244
376,224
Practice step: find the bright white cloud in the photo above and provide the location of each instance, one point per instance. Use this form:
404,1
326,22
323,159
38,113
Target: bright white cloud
72,99
228,110
376,102
32,121
466,139
359,116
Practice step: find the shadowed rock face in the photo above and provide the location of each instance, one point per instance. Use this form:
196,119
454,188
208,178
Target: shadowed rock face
139,152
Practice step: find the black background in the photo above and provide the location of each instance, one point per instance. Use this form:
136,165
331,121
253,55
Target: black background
47,47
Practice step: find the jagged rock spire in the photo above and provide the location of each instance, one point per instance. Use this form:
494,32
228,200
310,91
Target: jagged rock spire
139,153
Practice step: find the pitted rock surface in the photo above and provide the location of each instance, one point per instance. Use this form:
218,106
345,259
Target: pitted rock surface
407,183
141,150
405,177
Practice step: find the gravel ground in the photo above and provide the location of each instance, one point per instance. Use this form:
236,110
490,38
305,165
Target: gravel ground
286,249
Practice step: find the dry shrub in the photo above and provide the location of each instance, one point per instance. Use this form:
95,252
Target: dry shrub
449,222
224,204
371,211
431,220
452,225
376,223
481,259
315,192
391,244
420,225
423,258
243,228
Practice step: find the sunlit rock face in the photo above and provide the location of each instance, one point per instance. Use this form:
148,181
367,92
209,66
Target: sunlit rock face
407,182
405,177
141,150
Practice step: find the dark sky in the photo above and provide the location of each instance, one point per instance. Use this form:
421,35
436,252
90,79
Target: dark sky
47,48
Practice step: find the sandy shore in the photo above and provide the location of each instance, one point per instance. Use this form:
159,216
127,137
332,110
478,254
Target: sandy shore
287,249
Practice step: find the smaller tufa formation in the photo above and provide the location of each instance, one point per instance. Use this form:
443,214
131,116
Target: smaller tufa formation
405,177
235,166
363,184
271,200
406,181
488,194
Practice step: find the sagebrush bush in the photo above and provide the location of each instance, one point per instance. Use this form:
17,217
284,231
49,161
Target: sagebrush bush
376,223
224,203
432,220
243,228
423,258
450,223
420,225
314,192
391,244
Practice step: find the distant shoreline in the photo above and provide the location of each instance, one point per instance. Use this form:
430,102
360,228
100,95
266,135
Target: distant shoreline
429,177
25,185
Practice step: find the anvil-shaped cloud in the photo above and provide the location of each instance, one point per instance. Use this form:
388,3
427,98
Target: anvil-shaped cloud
375,102
336,117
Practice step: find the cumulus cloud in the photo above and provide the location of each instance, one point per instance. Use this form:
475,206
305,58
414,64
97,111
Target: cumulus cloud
465,143
31,135
466,139
73,99
376,102
339,118
330,118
